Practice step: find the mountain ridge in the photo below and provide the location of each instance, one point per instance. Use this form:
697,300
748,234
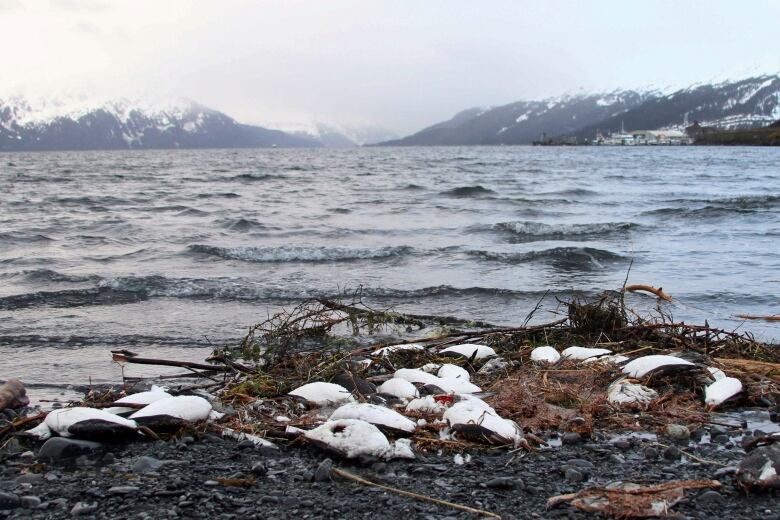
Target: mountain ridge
130,124
747,103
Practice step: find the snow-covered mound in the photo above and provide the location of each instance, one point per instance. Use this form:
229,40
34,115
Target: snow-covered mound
400,388
323,394
353,438
475,418
642,366
173,412
141,398
452,385
82,422
583,353
545,354
722,390
377,415
468,350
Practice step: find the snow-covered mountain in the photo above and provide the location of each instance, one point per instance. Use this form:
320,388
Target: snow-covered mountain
57,124
746,103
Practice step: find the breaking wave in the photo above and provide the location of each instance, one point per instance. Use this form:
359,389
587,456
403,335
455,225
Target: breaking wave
561,257
299,253
529,230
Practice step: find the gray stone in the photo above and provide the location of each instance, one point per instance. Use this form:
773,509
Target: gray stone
672,453
9,501
651,453
571,438
123,490
721,439
678,432
581,464
83,508
501,483
573,475
211,483
29,478
622,444
146,464
711,497
322,473
723,472
30,501
259,469
617,459
245,445
60,448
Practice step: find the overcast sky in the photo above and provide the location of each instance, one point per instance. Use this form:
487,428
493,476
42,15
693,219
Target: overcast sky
398,64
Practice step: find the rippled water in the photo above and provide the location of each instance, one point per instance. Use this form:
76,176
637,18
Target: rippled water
168,252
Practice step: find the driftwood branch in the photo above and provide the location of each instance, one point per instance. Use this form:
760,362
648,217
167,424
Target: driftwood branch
423,498
649,288
123,358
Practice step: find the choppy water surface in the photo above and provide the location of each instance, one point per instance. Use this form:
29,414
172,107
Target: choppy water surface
167,252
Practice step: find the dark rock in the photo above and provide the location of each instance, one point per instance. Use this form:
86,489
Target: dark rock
617,459
573,475
672,453
581,464
723,472
245,445
721,438
710,497
146,464
322,473
571,438
30,501
9,501
29,478
259,469
623,444
651,453
83,508
501,483
60,448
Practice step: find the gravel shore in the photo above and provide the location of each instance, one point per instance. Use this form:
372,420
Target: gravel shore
180,478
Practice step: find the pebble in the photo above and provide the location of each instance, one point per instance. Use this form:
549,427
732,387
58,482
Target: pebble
83,508
28,478
721,438
710,497
572,475
501,483
211,483
672,453
571,438
123,490
322,473
623,444
245,445
30,501
9,501
259,469
146,464
678,432
651,453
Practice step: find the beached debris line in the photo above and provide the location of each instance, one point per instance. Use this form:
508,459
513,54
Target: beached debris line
629,500
473,383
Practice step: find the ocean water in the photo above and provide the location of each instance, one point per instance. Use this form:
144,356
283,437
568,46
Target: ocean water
167,253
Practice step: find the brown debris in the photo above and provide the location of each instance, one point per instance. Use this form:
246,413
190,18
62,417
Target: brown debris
629,500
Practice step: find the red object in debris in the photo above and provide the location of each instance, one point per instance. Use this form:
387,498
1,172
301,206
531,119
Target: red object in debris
444,398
